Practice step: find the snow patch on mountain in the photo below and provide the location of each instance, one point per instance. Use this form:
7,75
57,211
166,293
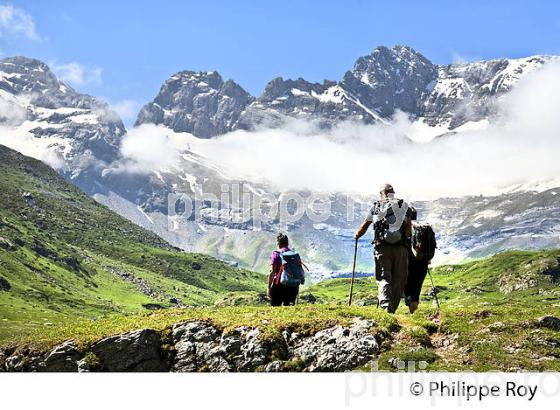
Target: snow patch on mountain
47,119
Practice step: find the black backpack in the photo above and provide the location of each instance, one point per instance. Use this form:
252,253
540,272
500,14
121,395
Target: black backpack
423,242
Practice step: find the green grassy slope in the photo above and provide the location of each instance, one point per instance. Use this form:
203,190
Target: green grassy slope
488,319
514,277
272,321
63,255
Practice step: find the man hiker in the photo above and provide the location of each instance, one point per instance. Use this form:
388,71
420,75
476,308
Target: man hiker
286,274
420,253
391,219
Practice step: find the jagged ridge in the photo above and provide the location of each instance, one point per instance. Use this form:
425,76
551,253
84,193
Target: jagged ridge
387,80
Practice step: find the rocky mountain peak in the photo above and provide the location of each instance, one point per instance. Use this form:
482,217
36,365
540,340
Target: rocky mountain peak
279,87
24,75
391,79
387,80
25,65
200,103
77,130
201,81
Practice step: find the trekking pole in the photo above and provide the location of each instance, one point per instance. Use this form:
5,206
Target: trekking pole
433,288
353,271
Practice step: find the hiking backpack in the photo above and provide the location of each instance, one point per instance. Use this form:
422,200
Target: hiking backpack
382,228
291,271
423,242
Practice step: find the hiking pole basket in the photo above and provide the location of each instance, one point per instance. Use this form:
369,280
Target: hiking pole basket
434,290
353,271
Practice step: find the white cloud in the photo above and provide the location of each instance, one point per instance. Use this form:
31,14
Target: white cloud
463,59
520,149
16,22
77,74
11,113
148,148
43,149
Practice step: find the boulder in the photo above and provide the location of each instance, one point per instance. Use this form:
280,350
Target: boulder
193,343
497,327
63,358
138,351
201,347
25,360
4,284
338,348
367,301
309,298
29,199
275,366
153,306
40,249
246,349
549,322
6,244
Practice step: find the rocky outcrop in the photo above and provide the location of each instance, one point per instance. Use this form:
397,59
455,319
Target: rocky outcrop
338,348
138,351
63,358
201,347
25,360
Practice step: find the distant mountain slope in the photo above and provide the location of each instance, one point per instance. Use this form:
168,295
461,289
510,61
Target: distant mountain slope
379,84
476,226
64,255
46,118
81,137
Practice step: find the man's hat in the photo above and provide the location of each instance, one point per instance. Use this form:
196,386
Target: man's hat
387,189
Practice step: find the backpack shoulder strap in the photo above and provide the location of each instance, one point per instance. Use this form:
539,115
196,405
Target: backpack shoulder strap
281,268
279,274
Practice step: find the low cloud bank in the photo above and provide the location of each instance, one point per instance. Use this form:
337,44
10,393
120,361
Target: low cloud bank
520,147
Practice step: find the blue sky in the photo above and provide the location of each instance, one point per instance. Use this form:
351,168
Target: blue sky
123,50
